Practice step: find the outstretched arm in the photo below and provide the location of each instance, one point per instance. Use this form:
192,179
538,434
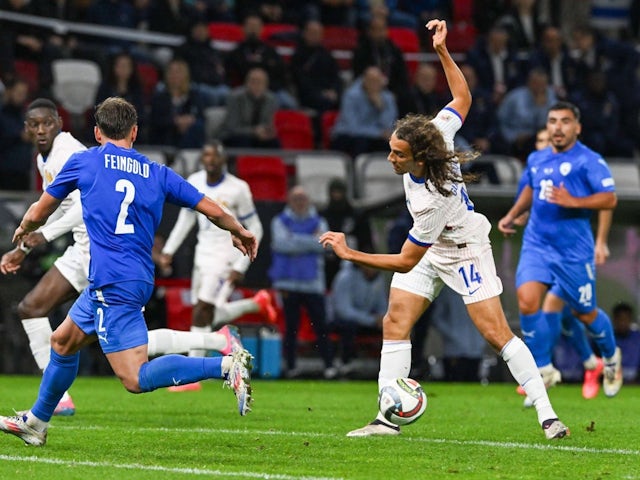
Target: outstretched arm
36,215
461,102
243,239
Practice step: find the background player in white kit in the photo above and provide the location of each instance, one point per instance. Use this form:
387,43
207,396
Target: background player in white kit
218,265
448,244
68,276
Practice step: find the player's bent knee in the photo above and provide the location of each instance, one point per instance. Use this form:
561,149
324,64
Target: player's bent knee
28,309
130,384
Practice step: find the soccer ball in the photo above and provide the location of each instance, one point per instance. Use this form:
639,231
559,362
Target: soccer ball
403,401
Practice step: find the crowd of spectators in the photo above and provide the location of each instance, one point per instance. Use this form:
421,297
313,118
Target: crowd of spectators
523,56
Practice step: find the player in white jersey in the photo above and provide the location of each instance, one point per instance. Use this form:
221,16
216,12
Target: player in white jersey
218,265
448,244
68,276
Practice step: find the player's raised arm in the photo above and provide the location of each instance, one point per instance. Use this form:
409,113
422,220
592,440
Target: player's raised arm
458,87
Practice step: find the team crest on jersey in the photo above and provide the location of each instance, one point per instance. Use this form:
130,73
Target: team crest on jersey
47,176
565,168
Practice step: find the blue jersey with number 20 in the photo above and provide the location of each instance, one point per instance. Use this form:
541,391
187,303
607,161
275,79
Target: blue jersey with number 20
123,195
564,231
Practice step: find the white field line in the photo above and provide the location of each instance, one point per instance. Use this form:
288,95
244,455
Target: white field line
555,445
158,468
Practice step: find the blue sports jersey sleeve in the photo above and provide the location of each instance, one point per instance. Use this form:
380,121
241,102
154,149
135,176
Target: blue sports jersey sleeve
67,180
600,178
181,192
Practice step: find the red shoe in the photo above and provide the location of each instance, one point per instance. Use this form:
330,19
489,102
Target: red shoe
591,385
65,408
265,303
520,391
187,387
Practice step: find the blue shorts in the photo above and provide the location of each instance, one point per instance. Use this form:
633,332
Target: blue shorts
574,282
114,314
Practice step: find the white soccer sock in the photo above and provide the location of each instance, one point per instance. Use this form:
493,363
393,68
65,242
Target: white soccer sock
590,363
196,352
39,333
35,423
224,293
163,341
523,368
228,312
395,362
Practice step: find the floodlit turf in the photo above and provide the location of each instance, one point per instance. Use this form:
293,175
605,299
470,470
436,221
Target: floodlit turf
297,431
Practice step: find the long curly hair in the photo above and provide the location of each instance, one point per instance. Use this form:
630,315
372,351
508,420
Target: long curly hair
427,145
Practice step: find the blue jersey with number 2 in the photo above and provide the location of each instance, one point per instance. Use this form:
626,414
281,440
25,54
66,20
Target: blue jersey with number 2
123,195
559,230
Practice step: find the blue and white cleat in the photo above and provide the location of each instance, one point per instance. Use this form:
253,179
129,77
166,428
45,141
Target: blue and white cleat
239,379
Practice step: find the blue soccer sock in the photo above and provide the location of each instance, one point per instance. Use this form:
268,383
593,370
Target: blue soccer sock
553,321
169,370
56,379
535,333
601,331
573,331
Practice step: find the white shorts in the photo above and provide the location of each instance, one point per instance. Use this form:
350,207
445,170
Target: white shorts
206,281
469,271
73,264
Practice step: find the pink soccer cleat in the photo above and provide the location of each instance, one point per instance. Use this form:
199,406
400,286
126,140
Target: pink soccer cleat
265,303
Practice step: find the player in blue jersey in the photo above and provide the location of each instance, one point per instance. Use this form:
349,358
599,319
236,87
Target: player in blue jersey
563,185
122,195
572,328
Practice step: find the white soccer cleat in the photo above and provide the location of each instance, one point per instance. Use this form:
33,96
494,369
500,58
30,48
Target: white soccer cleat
612,377
554,428
551,376
239,379
375,428
17,426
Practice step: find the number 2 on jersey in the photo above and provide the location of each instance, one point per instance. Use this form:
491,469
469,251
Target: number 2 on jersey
129,190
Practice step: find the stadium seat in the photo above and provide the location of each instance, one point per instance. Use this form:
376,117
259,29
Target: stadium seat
461,38
626,175
28,71
327,121
406,39
226,31
75,83
294,129
341,41
149,78
280,34
509,169
314,171
153,153
375,179
266,176
186,161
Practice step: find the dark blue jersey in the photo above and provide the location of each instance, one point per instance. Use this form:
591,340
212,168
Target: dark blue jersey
122,194
564,231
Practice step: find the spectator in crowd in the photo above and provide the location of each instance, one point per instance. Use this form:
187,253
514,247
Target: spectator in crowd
358,302
522,23
122,80
388,9
495,63
170,16
341,215
114,13
628,339
315,72
367,113
522,112
423,95
271,11
601,117
177,110
334,12
253,52
249,119
375,48
297,272
553,57
205,64
16,155
478,128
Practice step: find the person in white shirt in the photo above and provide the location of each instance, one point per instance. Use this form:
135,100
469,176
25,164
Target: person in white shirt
448,244
218,266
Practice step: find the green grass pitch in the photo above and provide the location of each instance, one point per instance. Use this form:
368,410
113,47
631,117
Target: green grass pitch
297,431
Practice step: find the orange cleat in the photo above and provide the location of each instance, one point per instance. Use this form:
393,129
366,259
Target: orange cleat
265,303
591,385
187,387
